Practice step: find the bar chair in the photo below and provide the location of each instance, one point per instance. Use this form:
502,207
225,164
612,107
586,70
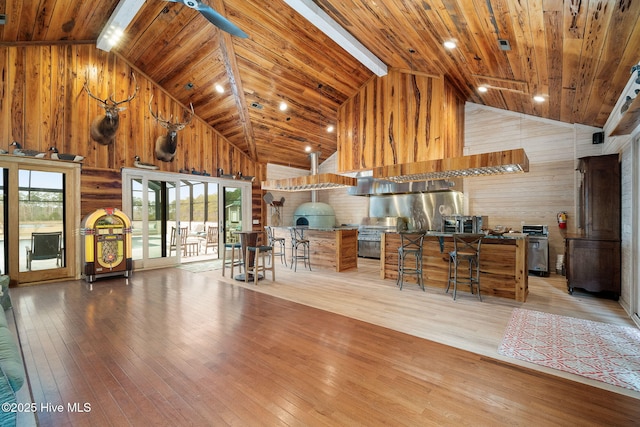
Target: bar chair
466,251
410,247
236,257
259,263
276,242
297,242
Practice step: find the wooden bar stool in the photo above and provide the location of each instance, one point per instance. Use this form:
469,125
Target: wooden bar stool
410,247
466,250
236,256
260,263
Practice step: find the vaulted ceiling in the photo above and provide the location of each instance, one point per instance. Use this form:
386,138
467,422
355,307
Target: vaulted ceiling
577,53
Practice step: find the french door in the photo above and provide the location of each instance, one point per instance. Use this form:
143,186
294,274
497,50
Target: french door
39,205
174,215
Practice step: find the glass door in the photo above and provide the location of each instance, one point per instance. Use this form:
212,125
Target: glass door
40,208
232,208
153,206
179,218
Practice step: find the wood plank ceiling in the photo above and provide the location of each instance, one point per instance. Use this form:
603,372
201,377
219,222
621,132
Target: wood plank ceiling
578,53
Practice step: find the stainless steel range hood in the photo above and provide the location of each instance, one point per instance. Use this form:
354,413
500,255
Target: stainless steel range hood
370,186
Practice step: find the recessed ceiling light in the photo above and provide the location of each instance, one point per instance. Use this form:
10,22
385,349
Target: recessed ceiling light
450,44
539,98
219,88
482,89
283,106
307,148
330,128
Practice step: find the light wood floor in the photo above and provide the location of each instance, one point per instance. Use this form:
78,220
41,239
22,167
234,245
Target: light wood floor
170,347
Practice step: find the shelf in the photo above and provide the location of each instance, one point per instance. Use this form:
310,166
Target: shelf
630,119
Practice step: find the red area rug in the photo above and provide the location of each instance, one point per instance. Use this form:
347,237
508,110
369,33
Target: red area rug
595,350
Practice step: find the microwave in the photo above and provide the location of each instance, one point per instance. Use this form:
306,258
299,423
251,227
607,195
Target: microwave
464,224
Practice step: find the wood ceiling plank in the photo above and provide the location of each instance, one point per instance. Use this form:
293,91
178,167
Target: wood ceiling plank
235,85
148,25
609,74
598,17
63,19
553,39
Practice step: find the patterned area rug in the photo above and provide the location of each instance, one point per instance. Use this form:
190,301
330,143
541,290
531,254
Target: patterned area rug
595,350
199,267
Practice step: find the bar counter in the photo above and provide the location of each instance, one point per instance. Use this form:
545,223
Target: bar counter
329,248
503,263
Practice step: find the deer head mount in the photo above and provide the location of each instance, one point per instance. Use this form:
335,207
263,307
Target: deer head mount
166,144
103,128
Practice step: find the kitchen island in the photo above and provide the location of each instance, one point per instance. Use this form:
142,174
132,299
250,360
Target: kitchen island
333,248
503,263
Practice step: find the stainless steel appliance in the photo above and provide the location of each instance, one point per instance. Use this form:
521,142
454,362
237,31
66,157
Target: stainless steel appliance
464,224
423,210
370,235
538,258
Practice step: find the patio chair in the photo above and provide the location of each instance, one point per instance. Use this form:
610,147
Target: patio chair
212,239
45,245
181,245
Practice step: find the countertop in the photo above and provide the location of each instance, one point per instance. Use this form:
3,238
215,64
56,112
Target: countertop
304,227
490,236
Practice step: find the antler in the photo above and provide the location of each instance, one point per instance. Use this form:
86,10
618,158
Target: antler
135,92
164,123
182,125
115,103
86,87
167,123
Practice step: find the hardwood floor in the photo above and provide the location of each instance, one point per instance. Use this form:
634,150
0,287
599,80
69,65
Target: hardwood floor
171,347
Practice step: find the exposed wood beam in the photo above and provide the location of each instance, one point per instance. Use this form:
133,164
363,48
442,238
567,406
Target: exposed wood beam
235,83
338,34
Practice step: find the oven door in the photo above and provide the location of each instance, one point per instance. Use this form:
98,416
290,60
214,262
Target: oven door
369,249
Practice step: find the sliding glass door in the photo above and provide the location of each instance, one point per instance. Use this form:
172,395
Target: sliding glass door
179,218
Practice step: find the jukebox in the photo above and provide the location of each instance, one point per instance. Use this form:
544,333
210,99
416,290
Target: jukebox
106,244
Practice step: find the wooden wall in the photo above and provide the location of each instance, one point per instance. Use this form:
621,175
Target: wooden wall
43,104
100,188
399,118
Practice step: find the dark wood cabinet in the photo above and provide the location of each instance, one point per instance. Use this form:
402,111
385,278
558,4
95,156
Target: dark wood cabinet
593,257
593,265
599,204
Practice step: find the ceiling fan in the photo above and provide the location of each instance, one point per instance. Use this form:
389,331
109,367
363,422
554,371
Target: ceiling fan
214,17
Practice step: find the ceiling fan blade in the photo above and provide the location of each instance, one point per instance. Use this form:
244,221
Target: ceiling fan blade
215,18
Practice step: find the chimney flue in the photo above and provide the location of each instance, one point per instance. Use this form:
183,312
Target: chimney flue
314,156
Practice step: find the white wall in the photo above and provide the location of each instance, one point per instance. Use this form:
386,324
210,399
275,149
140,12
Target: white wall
292,199
549,187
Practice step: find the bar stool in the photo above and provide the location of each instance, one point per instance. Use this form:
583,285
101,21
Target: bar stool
276,242
410,246
236,256
298,241
260,256
466,249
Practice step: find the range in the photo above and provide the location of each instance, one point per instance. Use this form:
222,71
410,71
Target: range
370,234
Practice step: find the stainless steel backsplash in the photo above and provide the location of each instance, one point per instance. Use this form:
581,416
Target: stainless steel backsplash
424,211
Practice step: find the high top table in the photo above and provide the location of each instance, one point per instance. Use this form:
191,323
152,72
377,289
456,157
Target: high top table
248,238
